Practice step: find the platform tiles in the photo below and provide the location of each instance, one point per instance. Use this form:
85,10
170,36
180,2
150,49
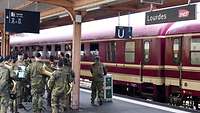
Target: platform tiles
118,105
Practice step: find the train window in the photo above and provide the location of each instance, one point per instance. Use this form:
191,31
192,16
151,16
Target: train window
176,51
82,51
48,47
57,47
22,48
39,48
16,49
33,48
195,51
94,49
68,47
130,52
27,48
111,52
146,51
82,47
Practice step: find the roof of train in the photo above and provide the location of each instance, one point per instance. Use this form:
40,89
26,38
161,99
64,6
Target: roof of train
192,26
99,29
105,29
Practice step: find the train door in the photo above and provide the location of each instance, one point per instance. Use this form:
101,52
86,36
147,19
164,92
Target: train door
152,75
191,71
177,57
146,87
173,68
145,56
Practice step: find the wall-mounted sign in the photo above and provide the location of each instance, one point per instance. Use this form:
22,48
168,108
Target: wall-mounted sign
152,1
17,21
171,15
123,32
193,1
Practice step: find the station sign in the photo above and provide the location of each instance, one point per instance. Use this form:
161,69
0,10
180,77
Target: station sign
123,32
193,1
17,21
152,1
171,15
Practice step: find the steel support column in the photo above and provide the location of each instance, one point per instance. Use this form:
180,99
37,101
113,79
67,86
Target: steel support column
76,48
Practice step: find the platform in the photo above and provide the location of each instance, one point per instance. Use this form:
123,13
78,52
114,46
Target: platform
119,105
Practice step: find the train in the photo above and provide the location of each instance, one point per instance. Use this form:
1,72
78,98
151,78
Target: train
159,62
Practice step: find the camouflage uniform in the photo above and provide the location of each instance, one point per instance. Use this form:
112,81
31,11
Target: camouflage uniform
70,78
98,71
4,88
19,84
50,68
59,84
37,85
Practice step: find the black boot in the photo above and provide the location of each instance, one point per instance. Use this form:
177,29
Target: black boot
100,102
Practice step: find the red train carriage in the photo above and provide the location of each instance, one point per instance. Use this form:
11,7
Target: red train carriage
182,61
160,61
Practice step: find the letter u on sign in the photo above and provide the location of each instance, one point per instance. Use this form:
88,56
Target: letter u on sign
120,33
123,32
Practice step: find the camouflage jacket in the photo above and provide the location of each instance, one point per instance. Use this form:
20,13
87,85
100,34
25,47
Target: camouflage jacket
98,70
59,82
34,72
4,81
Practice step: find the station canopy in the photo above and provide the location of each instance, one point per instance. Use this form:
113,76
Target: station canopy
52,15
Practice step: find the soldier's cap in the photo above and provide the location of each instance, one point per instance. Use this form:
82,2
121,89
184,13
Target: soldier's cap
37,55
67,55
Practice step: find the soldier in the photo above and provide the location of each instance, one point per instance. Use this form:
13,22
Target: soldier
67,69
98,70
59,84
37,83
4,87
19,70
26,60
67,60
61,57
26,81
51,65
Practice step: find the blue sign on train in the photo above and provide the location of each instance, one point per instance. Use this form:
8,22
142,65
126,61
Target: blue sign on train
17,21
123,32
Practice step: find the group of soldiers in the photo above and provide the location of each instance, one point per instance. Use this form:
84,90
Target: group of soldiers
24,79
21,78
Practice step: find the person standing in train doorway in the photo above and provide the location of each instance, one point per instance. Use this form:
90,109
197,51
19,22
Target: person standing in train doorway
98,70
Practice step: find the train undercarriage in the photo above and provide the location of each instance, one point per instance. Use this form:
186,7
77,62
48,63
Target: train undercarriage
152,92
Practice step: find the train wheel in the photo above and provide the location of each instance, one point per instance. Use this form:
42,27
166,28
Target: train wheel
188,102
196,102
175,99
